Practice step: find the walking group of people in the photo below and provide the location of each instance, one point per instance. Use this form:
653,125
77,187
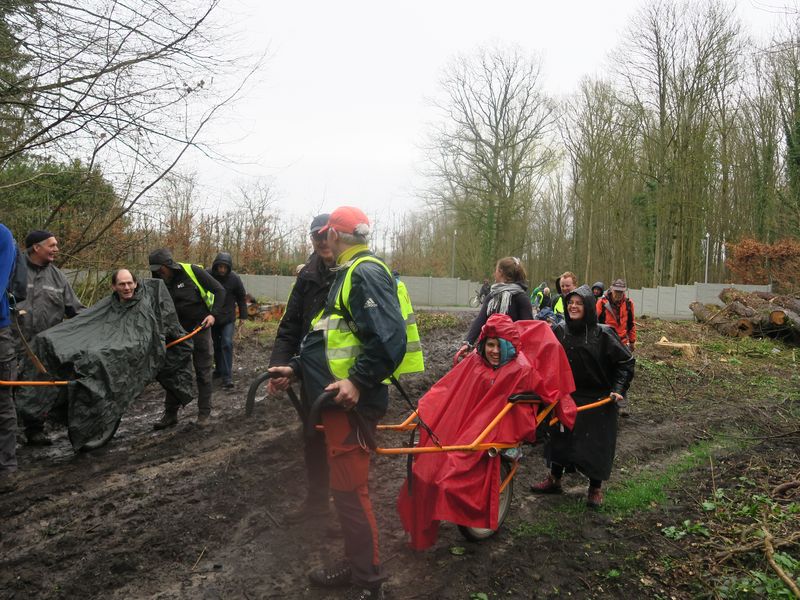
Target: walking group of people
43,297
597,330
348,329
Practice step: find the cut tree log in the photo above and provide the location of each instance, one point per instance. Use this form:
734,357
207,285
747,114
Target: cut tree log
726,326
788,302
766,318
688,350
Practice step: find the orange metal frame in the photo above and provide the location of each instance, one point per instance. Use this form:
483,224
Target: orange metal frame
477,444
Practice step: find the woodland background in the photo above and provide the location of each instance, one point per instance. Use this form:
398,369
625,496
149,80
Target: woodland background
686,152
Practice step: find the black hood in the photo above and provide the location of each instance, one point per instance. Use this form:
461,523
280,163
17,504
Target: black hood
223,258
601,285
589,303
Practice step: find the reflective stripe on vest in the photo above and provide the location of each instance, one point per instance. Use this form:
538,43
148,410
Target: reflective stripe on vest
208,297
342,346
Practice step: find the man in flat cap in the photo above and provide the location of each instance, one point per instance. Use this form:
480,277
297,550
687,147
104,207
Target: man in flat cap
49,301
198,298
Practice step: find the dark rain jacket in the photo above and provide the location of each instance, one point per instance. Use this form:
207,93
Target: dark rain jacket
50,299
376,318
600,364
519,310
234,291
306,299
109,353
188,302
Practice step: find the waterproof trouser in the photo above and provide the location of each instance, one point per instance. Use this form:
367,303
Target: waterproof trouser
348,461
8,415
315,454
203,361
223,350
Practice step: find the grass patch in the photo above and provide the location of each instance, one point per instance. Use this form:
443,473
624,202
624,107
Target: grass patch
430,321
648,489
263,331
545,528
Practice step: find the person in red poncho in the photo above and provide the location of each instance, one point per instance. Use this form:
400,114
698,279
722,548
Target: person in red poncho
463,487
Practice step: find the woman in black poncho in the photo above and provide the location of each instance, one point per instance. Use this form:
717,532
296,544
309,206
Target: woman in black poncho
601,366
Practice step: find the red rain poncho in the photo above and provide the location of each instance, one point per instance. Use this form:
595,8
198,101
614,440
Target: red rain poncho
463,487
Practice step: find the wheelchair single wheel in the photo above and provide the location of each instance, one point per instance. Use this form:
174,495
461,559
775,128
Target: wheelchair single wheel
475,302
253,392
477,534
100,439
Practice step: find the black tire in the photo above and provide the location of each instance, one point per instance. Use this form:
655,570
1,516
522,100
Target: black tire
99,441
477,534
475,302
253,392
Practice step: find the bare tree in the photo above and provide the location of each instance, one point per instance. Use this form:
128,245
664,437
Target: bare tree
492,150
126,85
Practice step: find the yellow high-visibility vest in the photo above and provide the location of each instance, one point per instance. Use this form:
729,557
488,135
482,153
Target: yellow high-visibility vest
208,297
342,346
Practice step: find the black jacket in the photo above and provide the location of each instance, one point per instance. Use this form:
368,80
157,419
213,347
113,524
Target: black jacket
188,302
305,301
600,364
600,361
234,290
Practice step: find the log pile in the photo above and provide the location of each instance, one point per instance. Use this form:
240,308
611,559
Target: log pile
758,314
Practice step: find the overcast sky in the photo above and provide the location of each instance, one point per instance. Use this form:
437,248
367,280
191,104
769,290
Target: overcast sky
342,106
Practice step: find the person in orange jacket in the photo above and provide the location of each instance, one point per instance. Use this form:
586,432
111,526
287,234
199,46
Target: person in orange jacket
614,308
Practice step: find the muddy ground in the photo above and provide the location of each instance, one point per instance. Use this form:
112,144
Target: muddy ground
198,513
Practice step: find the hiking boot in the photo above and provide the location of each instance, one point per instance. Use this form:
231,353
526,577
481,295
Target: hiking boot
336,576
307,512
367,594
203,420
228,385
595,497
37,438
550,485
168,419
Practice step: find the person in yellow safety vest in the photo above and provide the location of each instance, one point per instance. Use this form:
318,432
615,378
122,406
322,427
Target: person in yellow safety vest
363,336
198,299
564,286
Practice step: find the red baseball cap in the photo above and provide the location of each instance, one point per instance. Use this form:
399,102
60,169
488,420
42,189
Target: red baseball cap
348,219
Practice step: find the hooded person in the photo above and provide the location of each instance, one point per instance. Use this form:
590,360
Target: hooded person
601,366
223,328
598,289
463,487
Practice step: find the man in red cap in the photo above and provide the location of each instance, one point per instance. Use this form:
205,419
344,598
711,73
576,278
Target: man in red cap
356,342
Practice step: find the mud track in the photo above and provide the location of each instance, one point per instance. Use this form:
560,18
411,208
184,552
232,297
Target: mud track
198,513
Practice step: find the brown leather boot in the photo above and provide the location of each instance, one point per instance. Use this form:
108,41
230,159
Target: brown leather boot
595,497
550,485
